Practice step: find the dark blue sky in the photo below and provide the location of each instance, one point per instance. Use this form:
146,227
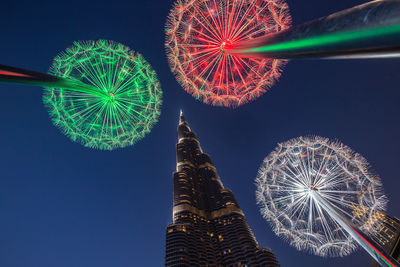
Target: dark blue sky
64,205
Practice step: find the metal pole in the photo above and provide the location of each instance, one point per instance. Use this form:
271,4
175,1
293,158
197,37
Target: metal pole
10,74
364,31
363,240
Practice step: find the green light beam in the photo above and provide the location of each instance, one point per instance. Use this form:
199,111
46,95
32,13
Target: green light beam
327,40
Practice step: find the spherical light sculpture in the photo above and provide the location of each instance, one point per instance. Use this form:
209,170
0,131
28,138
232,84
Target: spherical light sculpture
198,32
123,104
307,183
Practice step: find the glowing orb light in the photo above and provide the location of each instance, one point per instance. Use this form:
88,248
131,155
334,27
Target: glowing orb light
198,32
308,186
123,104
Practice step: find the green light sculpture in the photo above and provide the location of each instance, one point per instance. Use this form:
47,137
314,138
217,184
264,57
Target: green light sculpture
99,93
121,103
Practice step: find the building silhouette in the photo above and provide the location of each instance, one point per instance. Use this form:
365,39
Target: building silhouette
209,228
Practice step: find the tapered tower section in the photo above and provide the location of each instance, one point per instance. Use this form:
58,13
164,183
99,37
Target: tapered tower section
209,228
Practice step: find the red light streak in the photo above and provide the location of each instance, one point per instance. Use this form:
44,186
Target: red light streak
9,73
375,250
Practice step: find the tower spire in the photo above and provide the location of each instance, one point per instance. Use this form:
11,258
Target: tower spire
181,117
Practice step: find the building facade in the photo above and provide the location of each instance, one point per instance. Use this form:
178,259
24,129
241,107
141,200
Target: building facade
209,228
388,237
383,230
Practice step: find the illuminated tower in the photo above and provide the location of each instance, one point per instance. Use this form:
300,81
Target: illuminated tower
209,228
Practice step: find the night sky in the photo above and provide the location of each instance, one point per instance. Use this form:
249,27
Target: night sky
64,205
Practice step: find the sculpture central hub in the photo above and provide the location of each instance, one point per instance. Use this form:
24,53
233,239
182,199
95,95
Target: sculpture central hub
225,44
222,47
314,188
311,189
111,97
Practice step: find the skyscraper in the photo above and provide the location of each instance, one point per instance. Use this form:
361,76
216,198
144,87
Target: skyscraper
383,229
209,228
388,236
